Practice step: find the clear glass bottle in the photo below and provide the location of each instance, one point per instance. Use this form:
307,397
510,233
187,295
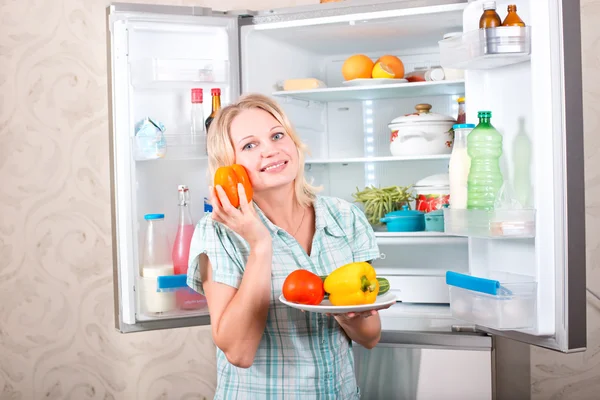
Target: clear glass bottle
186,298
489,18
197,113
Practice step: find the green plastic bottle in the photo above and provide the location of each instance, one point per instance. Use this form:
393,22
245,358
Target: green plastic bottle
484,146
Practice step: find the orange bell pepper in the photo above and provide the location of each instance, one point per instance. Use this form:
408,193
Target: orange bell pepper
229,177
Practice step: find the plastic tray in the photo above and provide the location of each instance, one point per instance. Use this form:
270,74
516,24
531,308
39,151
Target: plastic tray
486,48
149,72
179,147
512,305
509,224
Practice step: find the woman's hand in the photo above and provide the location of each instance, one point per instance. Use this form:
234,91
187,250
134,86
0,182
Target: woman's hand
243,221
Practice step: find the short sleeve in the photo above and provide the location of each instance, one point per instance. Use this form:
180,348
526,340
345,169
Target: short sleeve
363,242
224,250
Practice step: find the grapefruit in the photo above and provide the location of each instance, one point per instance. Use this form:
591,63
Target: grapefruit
394,63
380,70
357,66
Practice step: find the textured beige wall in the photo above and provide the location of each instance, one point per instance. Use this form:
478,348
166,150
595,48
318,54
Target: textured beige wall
57,339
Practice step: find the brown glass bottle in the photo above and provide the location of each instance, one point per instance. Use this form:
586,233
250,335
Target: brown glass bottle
512,18
489,18
216,106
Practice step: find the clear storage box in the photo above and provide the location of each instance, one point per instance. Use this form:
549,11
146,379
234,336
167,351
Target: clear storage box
506,303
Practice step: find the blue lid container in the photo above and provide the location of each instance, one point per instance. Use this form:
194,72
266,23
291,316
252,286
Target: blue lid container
404,220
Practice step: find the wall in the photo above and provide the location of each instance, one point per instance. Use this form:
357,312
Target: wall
57,339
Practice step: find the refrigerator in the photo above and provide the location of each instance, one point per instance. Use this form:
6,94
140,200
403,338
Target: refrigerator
530,80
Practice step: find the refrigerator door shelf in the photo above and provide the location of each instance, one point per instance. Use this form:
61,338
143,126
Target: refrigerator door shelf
513,306
159,72
157,299
487,48
180,146
497,224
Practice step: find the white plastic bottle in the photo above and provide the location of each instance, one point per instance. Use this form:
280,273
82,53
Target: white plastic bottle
156,261
459,166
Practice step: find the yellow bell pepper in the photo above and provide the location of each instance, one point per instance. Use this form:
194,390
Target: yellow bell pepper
352,284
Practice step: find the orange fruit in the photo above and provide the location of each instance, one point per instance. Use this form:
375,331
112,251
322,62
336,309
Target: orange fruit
357,66
394,63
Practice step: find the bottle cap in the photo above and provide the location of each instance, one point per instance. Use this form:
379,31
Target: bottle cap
197,95
489,5
460,100
215,92
484,114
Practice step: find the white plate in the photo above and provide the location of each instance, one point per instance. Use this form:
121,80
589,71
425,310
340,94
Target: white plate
385,299
370,81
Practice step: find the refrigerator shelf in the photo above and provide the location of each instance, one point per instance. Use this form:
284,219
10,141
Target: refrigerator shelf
178,147
156,72
157,298
507,224
486,48
501,301
374,92
356,160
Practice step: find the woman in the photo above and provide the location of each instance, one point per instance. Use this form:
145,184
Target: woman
239,259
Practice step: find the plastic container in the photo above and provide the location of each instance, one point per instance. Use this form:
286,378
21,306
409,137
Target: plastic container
434,221
404,220
433,192
486,48
506,303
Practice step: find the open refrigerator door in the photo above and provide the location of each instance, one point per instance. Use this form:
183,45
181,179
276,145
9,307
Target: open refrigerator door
164,62
526,277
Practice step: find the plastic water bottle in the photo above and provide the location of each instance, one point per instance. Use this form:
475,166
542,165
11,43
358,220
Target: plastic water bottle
484,146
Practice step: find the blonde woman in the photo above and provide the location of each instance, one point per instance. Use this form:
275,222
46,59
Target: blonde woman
240,257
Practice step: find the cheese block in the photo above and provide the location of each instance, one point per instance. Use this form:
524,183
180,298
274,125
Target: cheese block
303,84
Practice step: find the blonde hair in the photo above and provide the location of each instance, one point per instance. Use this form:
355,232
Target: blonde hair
220,148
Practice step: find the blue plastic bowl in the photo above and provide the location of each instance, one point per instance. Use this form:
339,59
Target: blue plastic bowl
404,221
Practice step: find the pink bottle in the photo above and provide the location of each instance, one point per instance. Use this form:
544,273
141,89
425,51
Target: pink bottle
186,298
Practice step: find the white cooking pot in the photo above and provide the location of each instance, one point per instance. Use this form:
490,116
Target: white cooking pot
422,133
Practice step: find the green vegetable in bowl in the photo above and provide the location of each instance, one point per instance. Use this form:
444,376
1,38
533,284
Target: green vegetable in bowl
380,201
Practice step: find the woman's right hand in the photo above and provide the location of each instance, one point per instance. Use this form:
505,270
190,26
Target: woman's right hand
243,221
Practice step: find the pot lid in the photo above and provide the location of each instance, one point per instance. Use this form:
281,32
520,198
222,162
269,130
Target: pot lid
423,114
405,212
438,180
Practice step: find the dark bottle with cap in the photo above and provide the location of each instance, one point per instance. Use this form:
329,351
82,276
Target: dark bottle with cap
216,106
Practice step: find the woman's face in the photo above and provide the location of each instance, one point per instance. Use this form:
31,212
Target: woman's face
264,148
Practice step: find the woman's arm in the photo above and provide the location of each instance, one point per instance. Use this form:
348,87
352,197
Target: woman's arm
363,328
238,316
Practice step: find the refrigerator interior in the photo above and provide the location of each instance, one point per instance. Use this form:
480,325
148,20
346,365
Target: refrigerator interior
347,134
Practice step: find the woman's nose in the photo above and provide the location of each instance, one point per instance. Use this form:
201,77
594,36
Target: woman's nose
269,150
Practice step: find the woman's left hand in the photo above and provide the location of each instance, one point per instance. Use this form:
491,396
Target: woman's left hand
356,316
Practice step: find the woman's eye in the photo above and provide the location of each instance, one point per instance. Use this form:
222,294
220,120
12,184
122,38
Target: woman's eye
248,146
278,136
